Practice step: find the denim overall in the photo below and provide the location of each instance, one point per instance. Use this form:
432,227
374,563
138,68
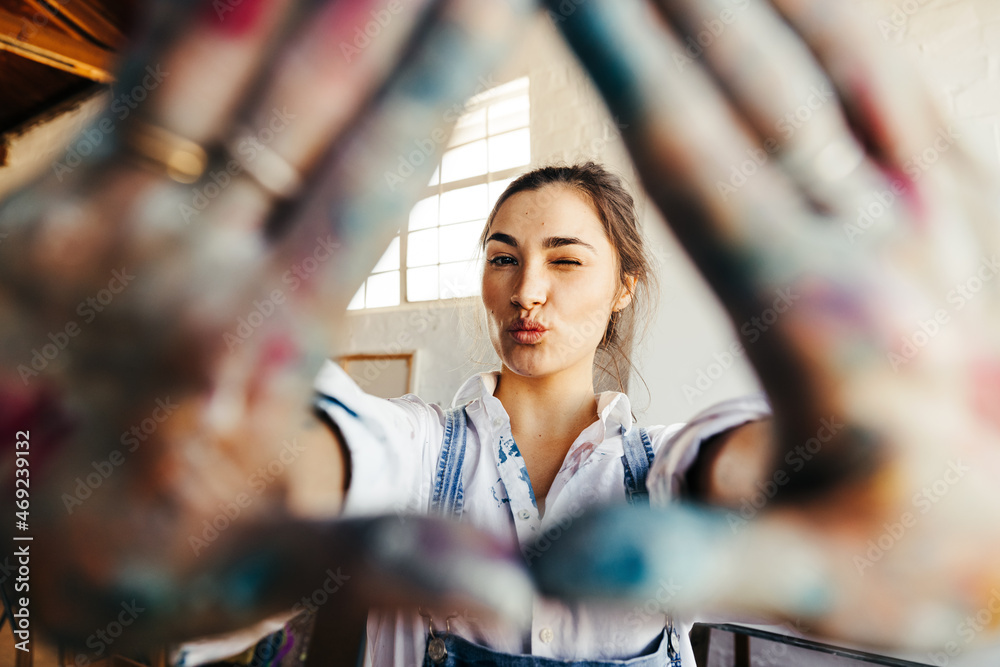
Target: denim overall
448,650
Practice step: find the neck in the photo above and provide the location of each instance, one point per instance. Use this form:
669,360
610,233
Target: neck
561,402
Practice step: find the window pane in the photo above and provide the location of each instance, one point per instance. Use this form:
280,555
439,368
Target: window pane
383,290
424,214
422,284
496,189
464,161
508,115
435,176
390,259
464,204
510,150
358,302
422,248
460,279
469,127
459,242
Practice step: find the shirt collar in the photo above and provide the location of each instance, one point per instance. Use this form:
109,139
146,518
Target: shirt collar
613,407
477,386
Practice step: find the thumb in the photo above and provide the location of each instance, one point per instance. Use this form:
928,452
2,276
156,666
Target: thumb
687,560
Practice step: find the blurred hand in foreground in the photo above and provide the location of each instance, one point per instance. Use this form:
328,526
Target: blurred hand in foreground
808,175
167,304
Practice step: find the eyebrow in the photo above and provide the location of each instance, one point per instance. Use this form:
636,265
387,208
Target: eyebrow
550,242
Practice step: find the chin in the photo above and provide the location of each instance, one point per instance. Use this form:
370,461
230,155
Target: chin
526,363
528,372
536,363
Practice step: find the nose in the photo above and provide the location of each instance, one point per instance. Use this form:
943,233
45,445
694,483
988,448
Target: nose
531,288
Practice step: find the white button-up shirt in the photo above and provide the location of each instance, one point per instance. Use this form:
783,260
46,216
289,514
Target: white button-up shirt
395,445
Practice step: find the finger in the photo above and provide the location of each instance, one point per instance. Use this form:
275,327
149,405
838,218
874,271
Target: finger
767,69
196,84
321,82
178,88
311,91
892,111
360,195
776,83
256,570
777,86
686,560
890,107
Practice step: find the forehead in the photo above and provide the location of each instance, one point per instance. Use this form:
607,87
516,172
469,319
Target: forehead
552,210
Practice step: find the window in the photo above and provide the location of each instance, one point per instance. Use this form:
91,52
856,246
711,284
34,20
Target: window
435,255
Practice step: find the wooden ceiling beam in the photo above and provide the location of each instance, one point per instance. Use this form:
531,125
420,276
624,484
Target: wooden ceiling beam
42,9
86,17
51,46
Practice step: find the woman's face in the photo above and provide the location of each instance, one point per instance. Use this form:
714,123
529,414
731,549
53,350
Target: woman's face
550,281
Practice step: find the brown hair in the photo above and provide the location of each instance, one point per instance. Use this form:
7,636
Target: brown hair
616,209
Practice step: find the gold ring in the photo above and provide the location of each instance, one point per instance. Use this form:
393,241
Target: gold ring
183,160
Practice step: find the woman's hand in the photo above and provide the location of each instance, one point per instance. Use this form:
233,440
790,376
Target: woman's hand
801,165
166,305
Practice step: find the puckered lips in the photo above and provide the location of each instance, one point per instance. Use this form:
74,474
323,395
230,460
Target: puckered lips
526,332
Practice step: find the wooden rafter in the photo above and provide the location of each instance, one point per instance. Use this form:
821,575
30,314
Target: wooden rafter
85,18
48,44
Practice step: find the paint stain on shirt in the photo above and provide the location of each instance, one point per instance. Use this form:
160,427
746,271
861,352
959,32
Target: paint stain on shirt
522,473
500,501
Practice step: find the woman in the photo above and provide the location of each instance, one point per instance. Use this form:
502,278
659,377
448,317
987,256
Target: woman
527,448
208,263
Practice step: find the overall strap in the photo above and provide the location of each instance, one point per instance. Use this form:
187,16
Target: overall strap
636,460
449,497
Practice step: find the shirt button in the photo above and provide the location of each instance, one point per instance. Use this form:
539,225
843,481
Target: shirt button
524,514
497,422
546,635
